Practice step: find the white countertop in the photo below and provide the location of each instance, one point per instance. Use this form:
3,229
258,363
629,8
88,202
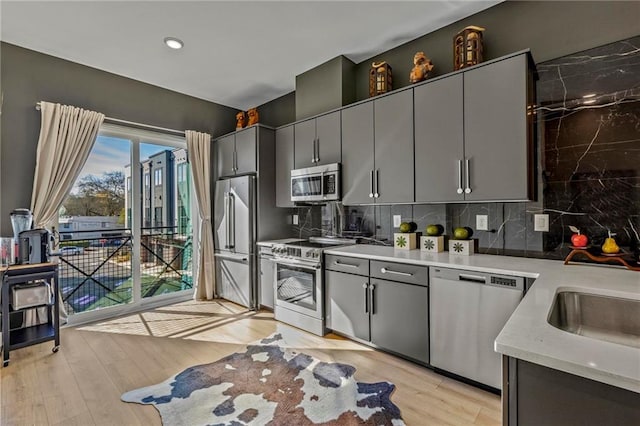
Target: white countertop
527,335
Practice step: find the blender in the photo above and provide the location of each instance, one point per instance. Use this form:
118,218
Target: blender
21,220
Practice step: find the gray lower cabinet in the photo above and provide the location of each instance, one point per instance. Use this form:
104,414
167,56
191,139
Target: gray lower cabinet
538,395
391,315
236,153
400,318
318,141
393,131
347,307
357,154
439,140
267,282
284,165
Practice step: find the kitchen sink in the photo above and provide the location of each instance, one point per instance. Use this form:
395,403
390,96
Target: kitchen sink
611,319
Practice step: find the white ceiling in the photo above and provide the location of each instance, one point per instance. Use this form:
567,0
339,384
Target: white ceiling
241,54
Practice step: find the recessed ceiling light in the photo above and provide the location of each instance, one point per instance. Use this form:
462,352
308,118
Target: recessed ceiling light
590,95
590,101
173,42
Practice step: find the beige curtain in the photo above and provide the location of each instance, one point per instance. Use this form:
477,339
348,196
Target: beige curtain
199,148
67,135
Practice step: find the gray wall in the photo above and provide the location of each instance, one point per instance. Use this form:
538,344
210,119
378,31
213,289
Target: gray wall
325,87
278,111
549,29
28,77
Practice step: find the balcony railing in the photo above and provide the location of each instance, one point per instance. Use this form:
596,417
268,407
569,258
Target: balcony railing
96,272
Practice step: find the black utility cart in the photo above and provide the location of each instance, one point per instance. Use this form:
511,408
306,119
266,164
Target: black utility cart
19,337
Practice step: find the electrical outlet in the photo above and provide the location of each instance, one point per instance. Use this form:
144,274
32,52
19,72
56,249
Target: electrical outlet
295,219
397,220
482,222
541,222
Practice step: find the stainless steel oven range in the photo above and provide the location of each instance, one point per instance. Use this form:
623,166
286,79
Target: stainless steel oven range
298,282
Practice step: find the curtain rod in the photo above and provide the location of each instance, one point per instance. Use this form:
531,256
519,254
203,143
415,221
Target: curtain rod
134,124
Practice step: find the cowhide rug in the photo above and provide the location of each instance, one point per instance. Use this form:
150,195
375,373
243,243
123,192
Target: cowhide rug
269,385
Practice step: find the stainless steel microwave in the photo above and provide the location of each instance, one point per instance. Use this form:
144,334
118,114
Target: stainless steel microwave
316,184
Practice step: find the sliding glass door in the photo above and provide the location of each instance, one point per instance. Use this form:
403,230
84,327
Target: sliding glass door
126,229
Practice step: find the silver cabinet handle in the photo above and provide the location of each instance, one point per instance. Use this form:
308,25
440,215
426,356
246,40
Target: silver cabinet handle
313,154
467,190
345,264
371,183
459,190
365,286
372,288
390,271
376,194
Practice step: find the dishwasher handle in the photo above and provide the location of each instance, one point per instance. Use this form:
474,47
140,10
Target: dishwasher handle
480,279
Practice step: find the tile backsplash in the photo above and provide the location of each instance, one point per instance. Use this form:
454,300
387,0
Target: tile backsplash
588,107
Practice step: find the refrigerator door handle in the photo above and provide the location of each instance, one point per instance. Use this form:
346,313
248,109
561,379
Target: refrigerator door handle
226,220
232,220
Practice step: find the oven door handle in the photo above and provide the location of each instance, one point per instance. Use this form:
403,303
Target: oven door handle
294,262
229,256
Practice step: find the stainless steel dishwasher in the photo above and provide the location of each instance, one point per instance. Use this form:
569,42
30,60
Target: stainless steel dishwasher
467,311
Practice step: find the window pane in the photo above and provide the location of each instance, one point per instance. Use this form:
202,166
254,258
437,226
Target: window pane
95,241
166,243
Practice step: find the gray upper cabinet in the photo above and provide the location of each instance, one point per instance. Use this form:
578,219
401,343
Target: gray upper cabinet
284,165
393,130
246,150
317,141
357,154
328,140
496,131
473,137
236,153
305,143
225,156
439,140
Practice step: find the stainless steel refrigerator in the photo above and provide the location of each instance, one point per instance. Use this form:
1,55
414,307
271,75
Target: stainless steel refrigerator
235,230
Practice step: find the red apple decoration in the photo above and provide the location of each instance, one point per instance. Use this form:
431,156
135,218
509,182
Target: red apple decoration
578,239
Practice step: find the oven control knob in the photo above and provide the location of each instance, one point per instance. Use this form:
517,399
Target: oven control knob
307,254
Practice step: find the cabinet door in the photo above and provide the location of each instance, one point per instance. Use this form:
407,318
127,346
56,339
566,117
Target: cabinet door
246,150
400,318
357,154
347,304
225,148
328,138
439,140
495,120
266,282
305,136
284,165
394,148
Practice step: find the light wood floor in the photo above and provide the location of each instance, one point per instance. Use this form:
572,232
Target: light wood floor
82,383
